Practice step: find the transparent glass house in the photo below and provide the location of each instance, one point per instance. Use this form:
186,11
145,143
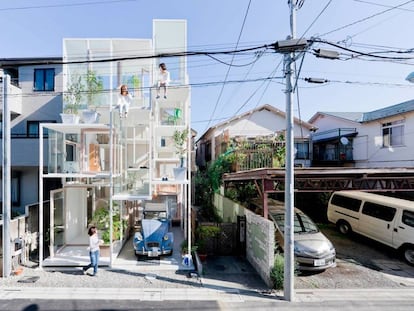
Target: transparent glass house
106,161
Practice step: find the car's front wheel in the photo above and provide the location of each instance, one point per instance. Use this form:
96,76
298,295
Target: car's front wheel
344,227
408,254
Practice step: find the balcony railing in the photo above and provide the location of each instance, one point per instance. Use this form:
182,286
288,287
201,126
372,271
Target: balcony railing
334,133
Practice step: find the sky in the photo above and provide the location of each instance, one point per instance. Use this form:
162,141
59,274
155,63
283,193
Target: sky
232,84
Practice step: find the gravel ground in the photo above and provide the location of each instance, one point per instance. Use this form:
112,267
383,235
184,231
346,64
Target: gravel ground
112,278
361,263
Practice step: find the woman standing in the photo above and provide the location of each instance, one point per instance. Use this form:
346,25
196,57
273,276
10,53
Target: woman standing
163,80
93,250
124,101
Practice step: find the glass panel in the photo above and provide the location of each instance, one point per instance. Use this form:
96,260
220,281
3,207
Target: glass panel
56,146
50,80
33,128
57,237
379,211
397,135
408,218
39,80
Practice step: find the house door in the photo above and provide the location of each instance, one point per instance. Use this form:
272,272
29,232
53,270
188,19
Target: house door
57,221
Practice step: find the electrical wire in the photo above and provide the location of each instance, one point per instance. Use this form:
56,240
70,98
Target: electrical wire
362,53
316,18
382,5
228,69
64,5
366,18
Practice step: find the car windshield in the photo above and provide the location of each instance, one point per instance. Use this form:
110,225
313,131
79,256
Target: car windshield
302,223
155,215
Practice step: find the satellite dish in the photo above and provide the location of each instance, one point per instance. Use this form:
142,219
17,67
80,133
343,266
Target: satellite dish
410,77
344,141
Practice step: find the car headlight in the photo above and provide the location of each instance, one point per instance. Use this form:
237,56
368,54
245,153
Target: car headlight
138,236
166,237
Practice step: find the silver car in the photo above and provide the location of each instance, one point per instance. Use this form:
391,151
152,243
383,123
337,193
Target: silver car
313,251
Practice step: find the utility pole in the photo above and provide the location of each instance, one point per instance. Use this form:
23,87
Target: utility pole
289,67
6,186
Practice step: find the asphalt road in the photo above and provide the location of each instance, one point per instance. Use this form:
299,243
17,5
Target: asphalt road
128,305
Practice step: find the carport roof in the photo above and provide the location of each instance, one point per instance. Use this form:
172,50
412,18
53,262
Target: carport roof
328,179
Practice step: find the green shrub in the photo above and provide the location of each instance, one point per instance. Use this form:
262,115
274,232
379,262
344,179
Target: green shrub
277,273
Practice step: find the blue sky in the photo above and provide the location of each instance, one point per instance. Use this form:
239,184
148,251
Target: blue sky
34,29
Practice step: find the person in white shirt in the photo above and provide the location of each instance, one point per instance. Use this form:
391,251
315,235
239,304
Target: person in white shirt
124,101
94,243
163,80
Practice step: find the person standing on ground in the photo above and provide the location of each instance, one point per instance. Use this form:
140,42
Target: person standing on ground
163,80
94,243
124,101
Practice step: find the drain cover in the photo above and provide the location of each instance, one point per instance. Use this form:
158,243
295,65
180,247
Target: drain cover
29,279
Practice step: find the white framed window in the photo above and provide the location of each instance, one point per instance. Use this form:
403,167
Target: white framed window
393,133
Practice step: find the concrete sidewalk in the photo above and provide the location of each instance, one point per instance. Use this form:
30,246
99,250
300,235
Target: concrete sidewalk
205,294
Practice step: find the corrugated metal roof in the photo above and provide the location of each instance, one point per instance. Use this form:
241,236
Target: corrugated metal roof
389,111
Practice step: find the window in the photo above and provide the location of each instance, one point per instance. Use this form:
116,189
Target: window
408,218
14,188
44,79
33,128
302,150
345,202
379,211
393,133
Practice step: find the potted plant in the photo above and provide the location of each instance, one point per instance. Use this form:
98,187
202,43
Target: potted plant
205,235
180,140
94,87
135,82
72,99
184,247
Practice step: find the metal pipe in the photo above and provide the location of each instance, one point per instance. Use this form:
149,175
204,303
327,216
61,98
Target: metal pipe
6,185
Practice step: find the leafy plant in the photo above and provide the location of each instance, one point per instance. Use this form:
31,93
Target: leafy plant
101,220
207,183
206,233
94,85
135,82
180,140
184,247
73,94
277,273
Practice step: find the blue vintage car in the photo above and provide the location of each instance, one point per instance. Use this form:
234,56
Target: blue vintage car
154,239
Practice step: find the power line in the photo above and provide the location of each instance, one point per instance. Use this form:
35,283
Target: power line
367,18
228,69
107,91
64,5
161,55
383,5
363,53
316,18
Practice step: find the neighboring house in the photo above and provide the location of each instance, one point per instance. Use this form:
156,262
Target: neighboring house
34,95
376,139
261,122
332,143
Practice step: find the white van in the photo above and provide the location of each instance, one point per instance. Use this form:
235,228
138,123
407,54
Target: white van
384,219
